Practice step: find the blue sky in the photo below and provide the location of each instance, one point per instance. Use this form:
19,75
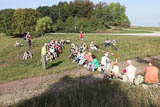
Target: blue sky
140,12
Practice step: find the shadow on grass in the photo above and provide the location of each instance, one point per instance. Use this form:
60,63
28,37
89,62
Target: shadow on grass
89,91
54,64
150,58
85,91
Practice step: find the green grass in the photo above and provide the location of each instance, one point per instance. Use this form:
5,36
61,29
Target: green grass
12,67
145,28
135,31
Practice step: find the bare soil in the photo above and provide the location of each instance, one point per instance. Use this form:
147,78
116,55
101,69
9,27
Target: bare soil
15,91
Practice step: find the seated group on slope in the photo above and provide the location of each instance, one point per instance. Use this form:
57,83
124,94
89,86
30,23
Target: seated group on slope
52,50
110,68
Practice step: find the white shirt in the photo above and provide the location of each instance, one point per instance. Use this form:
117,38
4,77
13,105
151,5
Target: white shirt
130,74
115,69
103,60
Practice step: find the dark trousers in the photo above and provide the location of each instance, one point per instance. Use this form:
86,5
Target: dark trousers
29,43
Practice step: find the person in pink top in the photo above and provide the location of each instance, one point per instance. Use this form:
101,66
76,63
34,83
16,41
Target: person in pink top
81,36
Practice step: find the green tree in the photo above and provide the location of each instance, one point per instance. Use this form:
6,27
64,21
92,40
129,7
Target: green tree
81,8
117,14
24,20
6,17
70,25
44,25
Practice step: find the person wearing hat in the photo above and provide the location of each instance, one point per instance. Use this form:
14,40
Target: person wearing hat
115,71
105,63
43,56
28,38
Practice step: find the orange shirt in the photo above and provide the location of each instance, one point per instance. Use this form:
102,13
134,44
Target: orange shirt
151,75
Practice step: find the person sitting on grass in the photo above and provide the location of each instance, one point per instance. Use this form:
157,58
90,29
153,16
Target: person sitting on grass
115,71
94,64
107,42
129,72
77,58
84,46
105,63
151,73
114,44
92,47
83,58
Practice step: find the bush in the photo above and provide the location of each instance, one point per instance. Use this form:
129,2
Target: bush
35,34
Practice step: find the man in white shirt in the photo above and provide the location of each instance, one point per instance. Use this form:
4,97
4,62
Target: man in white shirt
105,62
115,70
129,72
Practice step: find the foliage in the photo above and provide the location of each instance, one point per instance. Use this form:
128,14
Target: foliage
74,16
24,20
118,16
44,25
90,17
6,17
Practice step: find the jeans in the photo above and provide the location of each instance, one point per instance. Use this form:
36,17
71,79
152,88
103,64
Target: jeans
92,66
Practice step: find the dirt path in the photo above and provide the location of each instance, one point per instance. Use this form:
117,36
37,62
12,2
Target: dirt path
14,91
154,34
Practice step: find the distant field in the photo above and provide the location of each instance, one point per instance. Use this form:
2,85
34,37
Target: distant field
146,28
12,66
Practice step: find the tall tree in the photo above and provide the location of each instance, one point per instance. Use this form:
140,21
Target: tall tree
44,25
81,8
24,20
6,17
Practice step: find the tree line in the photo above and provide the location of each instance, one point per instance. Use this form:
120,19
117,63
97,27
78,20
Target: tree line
75,16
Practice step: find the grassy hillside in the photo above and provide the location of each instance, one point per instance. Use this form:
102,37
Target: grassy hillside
12,66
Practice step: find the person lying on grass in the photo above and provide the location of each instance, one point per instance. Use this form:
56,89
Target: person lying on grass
151,73
17,44
94,64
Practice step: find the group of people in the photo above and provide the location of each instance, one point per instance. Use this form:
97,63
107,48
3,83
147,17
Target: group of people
110,68
83,56
112,43
51,50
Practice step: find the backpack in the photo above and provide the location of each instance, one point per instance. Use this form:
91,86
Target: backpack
24,37
138,80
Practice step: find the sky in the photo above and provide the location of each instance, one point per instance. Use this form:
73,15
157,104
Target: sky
140,12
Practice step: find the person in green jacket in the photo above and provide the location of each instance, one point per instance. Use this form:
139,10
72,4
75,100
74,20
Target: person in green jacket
94,65
43,56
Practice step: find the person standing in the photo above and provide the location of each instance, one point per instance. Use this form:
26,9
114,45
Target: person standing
28,38
81,35
43,56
